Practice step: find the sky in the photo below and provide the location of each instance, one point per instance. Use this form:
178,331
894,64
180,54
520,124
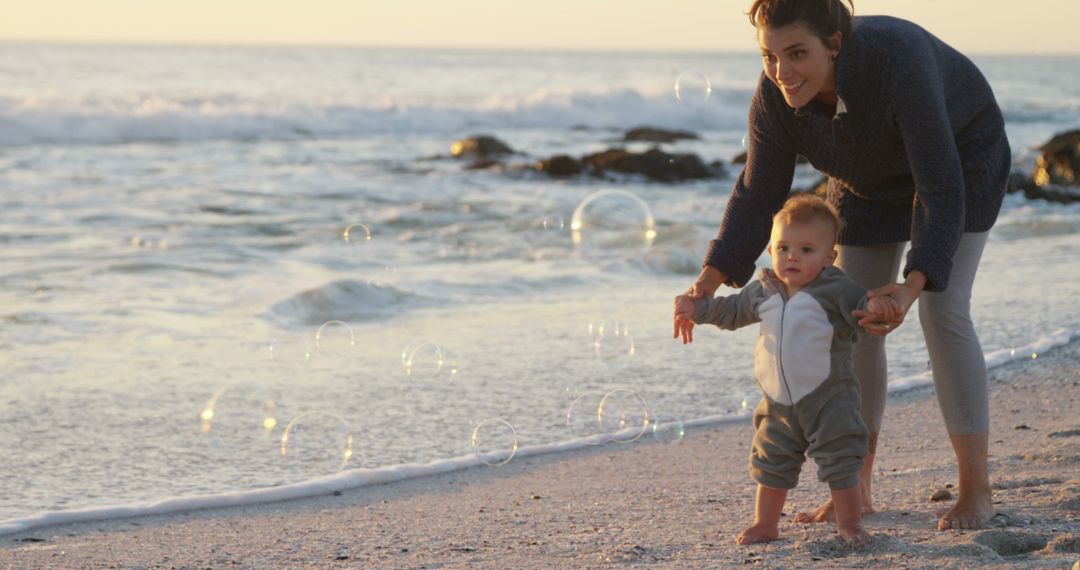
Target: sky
975,26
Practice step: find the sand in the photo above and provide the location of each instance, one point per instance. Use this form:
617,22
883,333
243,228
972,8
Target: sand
645,505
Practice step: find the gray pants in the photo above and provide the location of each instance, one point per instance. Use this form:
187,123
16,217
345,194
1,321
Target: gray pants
824,424
956,356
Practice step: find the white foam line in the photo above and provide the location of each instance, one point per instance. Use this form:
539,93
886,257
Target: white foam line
1060,337
355,478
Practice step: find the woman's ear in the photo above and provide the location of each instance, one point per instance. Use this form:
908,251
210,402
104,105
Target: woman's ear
834,42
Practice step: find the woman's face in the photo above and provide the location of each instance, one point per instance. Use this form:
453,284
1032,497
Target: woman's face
798,62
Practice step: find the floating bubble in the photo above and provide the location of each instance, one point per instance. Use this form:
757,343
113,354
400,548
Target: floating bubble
582,416
494,441
1034,355
693,88
290,353
553,224
357,234
668,429
744,140
614,352
612,221
335,339
623,415
607,327
427,359
316,443
244,412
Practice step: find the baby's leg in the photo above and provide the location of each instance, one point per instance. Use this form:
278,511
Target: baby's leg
847,504
767,509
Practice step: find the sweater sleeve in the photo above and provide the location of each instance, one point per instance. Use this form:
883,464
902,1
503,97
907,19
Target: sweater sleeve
852,296
922,118
760,191
731,312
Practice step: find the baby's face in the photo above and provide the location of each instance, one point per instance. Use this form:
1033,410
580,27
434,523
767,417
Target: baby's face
799,251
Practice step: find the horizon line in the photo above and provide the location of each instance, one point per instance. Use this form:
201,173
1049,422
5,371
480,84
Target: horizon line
458,48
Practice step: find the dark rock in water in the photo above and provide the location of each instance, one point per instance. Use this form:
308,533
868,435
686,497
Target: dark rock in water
654,164
1059,163
479,146
560,166
650,134
1020,182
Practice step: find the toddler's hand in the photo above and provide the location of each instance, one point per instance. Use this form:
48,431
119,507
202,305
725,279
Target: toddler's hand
684,318
886,312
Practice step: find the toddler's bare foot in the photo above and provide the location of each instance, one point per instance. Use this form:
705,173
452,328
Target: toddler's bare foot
825,513
759,532
969,512
854,535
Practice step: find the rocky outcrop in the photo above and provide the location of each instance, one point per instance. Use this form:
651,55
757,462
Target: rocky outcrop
560,166
1059,163
479,147
651,134
653,164
1056,177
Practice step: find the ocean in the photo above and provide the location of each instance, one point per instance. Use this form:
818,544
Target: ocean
235,274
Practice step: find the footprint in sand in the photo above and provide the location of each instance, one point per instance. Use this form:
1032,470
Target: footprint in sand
1010,543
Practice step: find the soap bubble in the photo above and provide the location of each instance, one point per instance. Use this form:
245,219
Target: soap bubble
316,443
357,234
582,417
693,88
335,339
494,441
239,414
611,222
553,223
668,429
427,359
614,352
606,327
623,415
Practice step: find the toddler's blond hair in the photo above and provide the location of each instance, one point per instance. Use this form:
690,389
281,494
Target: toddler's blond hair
804,208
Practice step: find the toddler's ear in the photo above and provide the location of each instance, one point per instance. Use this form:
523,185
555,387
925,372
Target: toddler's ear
831,258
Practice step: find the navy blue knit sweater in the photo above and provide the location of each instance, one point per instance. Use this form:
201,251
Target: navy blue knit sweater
916,150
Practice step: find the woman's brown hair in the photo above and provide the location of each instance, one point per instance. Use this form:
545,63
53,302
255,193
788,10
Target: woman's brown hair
823,17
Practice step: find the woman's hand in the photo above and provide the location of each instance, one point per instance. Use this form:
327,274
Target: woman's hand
708,281
903,295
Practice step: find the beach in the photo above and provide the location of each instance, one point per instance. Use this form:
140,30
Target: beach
644,505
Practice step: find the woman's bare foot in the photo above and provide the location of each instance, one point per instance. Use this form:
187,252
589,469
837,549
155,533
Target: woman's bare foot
971,510
759,532
974,507
825,513
854,535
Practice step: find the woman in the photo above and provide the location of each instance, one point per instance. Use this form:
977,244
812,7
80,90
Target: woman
913,142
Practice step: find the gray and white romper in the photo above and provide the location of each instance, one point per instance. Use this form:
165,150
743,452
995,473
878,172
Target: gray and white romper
803,364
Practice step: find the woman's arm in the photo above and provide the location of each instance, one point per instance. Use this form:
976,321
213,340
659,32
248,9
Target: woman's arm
759,192
919,109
